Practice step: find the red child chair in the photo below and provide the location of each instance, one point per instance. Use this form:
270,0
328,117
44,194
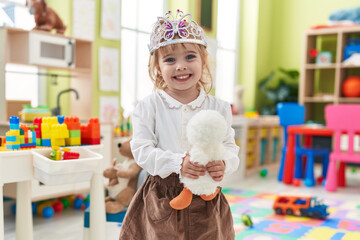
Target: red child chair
341,118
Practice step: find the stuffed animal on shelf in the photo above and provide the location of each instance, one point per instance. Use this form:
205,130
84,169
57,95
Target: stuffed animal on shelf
205,132
46,18
123,178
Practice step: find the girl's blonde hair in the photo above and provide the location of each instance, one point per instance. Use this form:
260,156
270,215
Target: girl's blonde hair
206,81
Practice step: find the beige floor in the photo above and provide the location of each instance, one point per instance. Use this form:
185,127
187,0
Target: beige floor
68,225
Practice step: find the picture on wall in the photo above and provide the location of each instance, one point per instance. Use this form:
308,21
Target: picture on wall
109,109
84,19
110,19
108,69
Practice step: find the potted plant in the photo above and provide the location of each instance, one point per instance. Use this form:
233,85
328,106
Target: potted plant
285,90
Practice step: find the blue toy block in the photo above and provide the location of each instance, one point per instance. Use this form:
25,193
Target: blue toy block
46,142
110,217
14,120
14,126
12,146
60,119
33,139
24,145
10,138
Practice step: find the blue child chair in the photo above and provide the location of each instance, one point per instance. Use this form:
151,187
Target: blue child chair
289,114
294,114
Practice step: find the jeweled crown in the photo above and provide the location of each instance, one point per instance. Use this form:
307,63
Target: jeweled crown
183,26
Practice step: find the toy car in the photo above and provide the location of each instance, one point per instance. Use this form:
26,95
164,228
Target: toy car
300,206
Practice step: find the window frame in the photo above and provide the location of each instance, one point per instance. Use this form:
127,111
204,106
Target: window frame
137,32
235,51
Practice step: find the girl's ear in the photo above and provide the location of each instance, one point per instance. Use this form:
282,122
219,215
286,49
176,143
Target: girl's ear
158,70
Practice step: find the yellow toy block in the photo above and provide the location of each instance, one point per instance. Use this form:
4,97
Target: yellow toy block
73,141
58,142
66,149
50,120
45,131
59,131
13,133
58,155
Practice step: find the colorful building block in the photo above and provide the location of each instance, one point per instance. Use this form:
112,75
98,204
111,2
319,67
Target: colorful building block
90,133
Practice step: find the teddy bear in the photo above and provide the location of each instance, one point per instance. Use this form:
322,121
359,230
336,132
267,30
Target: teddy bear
205,133
46,18
123,179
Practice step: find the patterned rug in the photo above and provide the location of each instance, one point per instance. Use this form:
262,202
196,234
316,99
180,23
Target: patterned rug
343,223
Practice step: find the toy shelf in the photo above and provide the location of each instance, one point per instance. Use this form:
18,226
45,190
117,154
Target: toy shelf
321,84
22,47
260,140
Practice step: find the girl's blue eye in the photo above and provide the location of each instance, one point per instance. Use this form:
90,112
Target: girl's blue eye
170,60
188,57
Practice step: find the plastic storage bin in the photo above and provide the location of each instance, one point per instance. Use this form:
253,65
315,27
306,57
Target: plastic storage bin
52,172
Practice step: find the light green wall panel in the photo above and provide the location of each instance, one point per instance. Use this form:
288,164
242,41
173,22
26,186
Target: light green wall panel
64,10
100,42
249,11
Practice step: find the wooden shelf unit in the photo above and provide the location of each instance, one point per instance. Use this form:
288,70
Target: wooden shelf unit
15,46
250,134
320,85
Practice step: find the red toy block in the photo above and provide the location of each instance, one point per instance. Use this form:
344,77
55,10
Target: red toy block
72,123
71,155
90,131
94,126
90,141
37,122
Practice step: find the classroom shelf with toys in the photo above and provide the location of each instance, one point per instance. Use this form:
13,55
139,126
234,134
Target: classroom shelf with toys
260,141
49,51
329,74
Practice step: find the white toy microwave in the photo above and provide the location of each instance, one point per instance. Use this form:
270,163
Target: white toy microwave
50,50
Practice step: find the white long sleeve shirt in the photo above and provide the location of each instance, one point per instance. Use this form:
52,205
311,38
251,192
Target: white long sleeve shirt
159,140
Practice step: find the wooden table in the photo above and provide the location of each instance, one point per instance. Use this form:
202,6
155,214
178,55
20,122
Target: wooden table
306,130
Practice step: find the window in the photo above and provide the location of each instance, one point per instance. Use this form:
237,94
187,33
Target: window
137,19
226,52
16,75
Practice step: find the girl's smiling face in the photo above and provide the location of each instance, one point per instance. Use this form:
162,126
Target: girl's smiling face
181,67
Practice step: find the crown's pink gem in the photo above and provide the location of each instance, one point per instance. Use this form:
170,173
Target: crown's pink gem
169,11
178,10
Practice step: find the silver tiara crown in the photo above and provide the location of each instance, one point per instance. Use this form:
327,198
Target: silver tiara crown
167,27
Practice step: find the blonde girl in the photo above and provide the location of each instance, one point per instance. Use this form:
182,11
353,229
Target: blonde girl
179,69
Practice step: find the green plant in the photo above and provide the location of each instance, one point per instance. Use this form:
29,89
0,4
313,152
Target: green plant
284,90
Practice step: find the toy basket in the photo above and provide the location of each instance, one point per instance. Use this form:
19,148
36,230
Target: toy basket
52,172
